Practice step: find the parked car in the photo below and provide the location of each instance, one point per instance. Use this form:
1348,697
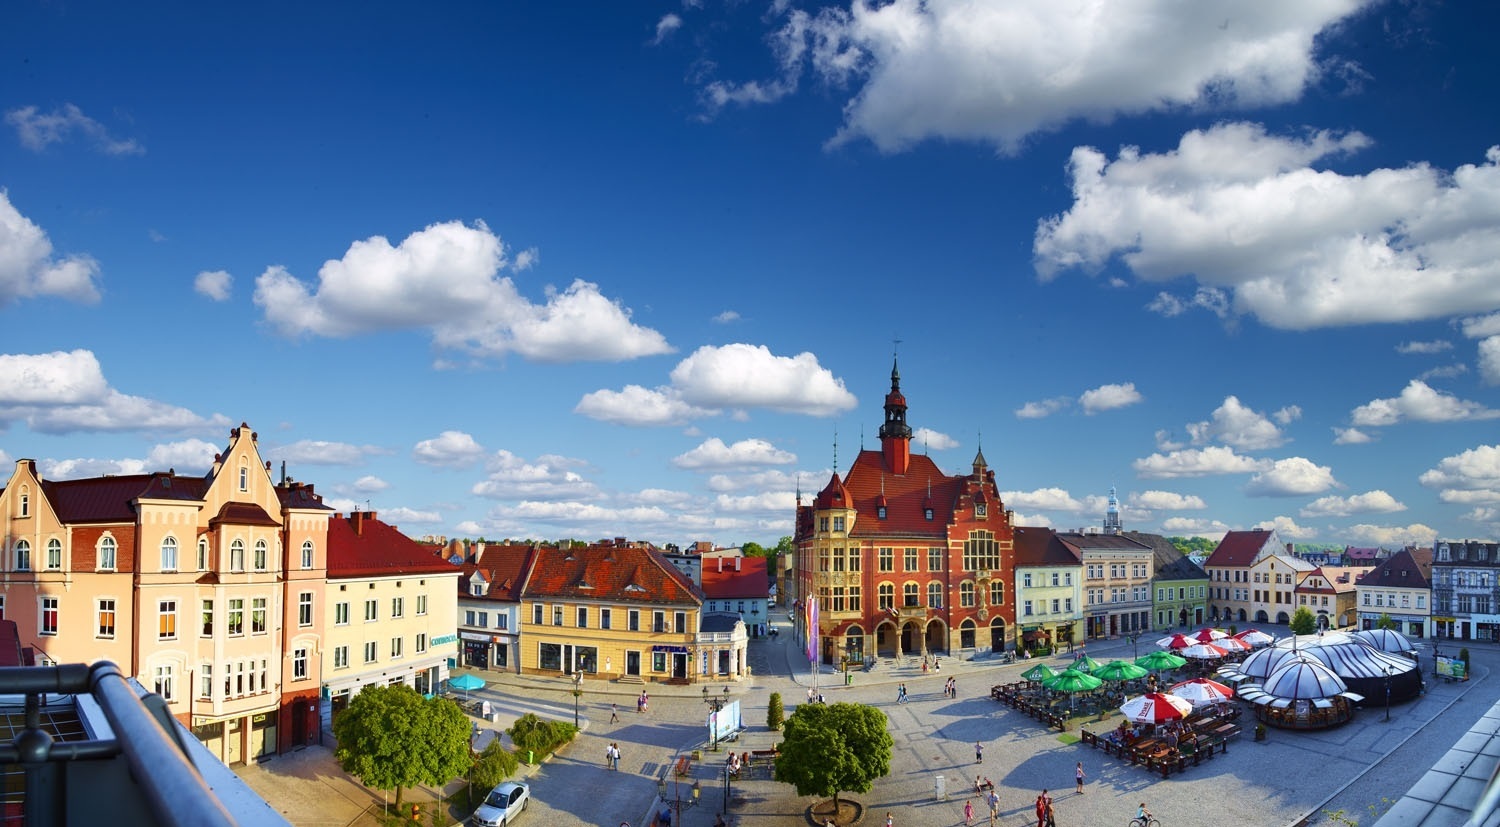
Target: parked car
503,804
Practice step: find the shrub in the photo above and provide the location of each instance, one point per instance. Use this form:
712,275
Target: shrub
530,733
775,714
1463,655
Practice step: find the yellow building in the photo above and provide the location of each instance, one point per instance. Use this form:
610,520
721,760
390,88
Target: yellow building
611,610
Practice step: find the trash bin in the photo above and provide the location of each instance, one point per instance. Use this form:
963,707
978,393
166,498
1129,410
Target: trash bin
848,679
939,789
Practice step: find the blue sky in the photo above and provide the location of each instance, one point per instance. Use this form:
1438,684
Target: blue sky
637,269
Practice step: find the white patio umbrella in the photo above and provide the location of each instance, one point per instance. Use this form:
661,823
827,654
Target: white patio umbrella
1174,642
1203,651
1201,691
1255,637
1232,644
1155,708
1207,635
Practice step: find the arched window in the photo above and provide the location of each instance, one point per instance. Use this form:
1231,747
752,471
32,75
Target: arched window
966,594
25,503
307,554
886,595
935,595
107,550
202,554
260,555
169,554
244,477
237,555
23,556
54,554
911,595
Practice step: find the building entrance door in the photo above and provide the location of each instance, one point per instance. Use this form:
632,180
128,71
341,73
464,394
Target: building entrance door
633,663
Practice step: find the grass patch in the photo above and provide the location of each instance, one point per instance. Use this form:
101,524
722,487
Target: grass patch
1068,739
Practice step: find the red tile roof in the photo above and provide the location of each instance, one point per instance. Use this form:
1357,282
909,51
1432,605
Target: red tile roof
108,499
609,572
1238,548
504,567
722,582
906,497
1041,547
360,545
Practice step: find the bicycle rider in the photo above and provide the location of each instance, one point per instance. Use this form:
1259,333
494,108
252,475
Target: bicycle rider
1143,815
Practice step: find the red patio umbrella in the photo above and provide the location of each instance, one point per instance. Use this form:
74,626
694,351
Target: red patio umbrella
1203,651
1174,642
1255,637
1201,691
1232,644
1155,708
1207,635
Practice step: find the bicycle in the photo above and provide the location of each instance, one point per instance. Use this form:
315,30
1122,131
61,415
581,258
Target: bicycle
1149,821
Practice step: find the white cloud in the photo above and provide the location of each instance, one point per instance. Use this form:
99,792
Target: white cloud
1370,502
1424,348
1489,360
726,317
69,469
213,284
1448,371
665,26
1032,520
190,456
1480,327
999,72
1109,397
1215,459
770,502
1287,528
1047,499
1237,426
449,449
57,378
1350,436
745,376
28,268
1462,497
930,439
1296,246
526,259
1489,517
370,484
187,456
713,454
1392,536
1474,469
1212,299
38,130
636,405
1165,441
546,478
1287,415
445,278
321,452
1289,477
1166,501
1419,402
61,393
1043,408
1191,527
403,516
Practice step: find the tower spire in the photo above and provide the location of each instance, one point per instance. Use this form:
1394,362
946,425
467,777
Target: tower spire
895,434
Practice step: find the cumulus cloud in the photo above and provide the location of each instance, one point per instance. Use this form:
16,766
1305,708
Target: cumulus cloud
1419,402
665,26
713,455
321,452
1109,397
1480,327
1370,502
38,130
185,457
213,284
1192,527
1196,462
84,467
742,375
933,440
1296,246
1392,536
1238,426
1489,360
726,317
1447,371
1424,348
28,269
370,484
446,279
635,405
1350,436
449,449
1166,501
1048,499
1287,528
1165,441
61,393
403,516
1287,415
548,478
1291,477
1043,408
999,72
1477,470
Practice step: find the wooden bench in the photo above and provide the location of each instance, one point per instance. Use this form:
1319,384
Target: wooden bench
684,765
762,756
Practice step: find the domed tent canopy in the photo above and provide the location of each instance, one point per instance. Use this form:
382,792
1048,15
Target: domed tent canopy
1362,667
1259,665
1303,680
1386,640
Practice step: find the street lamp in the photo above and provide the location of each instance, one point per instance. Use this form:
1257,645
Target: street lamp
1388,671
727,777
1134,652
577,691
661,791
715,706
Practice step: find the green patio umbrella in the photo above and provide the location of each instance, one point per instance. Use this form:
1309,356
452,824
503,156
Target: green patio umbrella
1072,681
1157,661
1039,673
1120,670
1084,663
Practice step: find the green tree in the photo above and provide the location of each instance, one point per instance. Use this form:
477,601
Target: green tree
1384,621
1303,622
827,748
755,550
492,766
775,713
1188,545
390,737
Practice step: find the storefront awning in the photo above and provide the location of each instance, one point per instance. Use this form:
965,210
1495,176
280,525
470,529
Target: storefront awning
1034,634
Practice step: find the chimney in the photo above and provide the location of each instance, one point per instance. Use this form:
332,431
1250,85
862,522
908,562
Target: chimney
736,564
720,561
478,551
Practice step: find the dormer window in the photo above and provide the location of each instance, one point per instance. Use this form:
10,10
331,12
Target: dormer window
927,512
838,523
880,512
980,509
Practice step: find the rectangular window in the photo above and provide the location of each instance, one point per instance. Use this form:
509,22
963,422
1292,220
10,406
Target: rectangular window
837,557
1056,607
603,618
372,611
1068,604
299,664
166,611
838,523
398,607
395,648
935,559
208,619
911,559
341,614
421,605
502,621
633,620
1026,580
583,617
658,621
658,661
484,619
164,683
341,657
935,595
536,614
854,559
887,559
421,642
106,612
257,615
304,609
236,616
557,615
680,623
206,680
370,652
1026,608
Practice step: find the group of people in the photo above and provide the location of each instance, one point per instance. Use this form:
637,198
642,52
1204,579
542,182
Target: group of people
950,688
612,756
642,702
901,693
937,665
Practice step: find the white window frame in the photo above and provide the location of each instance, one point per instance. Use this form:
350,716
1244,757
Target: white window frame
169,553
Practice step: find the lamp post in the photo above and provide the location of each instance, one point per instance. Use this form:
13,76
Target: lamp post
715,706
1134,652
577,691
1388,671
727,776
661,791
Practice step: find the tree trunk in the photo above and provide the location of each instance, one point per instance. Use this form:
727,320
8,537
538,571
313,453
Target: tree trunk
398,798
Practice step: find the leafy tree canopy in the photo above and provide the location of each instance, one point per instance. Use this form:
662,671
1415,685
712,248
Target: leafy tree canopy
391,738
1384,621
1188,545
828,748
1303,622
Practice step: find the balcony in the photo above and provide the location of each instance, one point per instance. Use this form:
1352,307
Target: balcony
88,745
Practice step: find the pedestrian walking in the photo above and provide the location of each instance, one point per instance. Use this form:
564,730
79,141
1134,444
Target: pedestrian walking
617,757
978,753
1043,805
1078,774
889,820
994,800
1051,816
901,693
614,713
969,813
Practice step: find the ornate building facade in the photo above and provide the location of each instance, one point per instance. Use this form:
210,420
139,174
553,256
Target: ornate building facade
902,558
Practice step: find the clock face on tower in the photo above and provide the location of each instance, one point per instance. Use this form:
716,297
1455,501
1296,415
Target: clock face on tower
980,509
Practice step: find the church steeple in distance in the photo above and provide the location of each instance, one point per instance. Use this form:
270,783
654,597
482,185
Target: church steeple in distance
895,434
1112,514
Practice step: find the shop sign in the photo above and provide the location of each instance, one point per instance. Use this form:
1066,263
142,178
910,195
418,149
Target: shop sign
442,639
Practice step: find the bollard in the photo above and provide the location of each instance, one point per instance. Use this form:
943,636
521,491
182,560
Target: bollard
530,757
